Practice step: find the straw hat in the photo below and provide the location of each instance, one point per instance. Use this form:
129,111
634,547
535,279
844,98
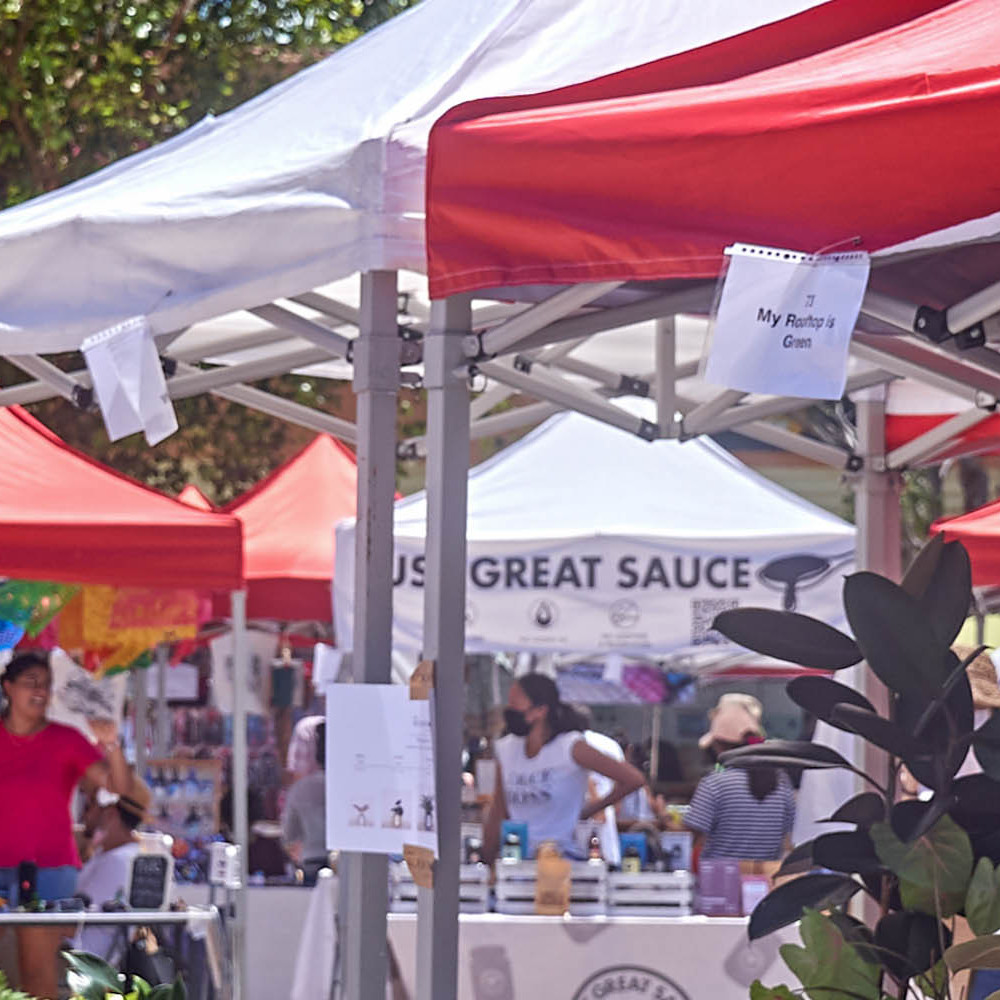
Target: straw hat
734,716
982,676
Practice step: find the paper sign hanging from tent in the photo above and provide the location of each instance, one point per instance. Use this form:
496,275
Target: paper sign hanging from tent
380,776
128,379
784,321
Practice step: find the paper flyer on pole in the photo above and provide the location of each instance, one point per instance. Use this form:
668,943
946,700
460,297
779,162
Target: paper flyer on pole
379,770
784,321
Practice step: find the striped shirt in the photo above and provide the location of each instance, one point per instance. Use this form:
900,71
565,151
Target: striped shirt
737,825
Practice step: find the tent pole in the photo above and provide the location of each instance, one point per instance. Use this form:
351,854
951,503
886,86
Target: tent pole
140,706
444,633
877,516
376,381
666,376
240,783
162,711
654,745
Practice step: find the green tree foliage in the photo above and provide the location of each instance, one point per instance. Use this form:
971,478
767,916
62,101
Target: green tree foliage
84,82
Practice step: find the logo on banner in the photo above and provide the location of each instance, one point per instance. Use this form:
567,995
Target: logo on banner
543,613
624,614
629,981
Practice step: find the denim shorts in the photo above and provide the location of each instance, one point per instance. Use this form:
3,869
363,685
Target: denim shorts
51,884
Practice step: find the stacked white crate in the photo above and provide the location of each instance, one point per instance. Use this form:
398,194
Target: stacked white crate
651,894
515,888
473,890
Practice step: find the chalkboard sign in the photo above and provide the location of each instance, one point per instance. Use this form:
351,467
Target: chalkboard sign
149,882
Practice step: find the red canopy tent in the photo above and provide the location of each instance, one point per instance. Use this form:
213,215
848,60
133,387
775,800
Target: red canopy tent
979,532
65,517
288,521
193,497
616,182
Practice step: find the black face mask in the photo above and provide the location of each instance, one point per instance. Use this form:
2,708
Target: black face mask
515,721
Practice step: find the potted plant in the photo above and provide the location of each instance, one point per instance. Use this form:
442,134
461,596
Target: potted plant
91,978
923,863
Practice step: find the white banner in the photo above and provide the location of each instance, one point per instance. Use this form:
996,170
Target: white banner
784,321
624,595
379,770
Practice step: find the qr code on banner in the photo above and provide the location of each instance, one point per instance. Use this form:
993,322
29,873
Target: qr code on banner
703,612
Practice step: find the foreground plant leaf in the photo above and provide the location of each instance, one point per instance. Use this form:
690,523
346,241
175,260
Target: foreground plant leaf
982,900
863,809
979,953
785,904
758,991
910,943
826,965
933,869
821,695
788,636
894,634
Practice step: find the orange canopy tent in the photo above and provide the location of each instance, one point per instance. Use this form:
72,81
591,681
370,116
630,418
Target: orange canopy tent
65,517
288,530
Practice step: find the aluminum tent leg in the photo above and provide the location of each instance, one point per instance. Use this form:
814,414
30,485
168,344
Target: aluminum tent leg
140,707
162,741
444,633
877,515
363,894
241,783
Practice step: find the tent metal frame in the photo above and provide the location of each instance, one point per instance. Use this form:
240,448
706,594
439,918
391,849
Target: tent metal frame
527,349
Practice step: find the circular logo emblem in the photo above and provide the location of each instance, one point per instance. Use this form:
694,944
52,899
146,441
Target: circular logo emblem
624,613
543,613
629,981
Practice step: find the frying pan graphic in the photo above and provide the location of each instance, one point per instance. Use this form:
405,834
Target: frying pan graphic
791,574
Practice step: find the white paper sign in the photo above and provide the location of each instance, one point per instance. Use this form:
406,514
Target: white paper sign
784,321
129,382
379,770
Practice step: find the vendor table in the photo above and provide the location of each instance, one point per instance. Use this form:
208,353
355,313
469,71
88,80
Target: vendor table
552,958
602,958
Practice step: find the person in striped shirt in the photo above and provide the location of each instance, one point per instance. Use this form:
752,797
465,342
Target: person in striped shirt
736,813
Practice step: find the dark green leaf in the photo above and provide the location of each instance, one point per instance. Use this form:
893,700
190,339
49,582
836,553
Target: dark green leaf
827,966
982,900
979,953
788,636
850,852
947,597
918,577
798,860
801,751
935,866
876,730
986,746
820,695
911,943
896,638
785,904
863,809
856,933
912,818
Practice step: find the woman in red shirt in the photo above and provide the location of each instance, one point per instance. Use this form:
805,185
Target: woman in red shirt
41,763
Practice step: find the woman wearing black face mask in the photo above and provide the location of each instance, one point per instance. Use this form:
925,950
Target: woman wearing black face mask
542,769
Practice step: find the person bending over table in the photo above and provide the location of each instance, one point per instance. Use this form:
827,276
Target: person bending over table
736,813
41,763
543,766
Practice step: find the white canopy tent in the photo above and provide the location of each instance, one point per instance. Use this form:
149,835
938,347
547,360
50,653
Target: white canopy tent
582,540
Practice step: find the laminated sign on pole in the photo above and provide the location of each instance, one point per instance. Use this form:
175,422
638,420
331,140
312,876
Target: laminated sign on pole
784,321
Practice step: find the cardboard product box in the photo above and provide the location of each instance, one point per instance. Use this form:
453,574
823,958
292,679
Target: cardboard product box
719,887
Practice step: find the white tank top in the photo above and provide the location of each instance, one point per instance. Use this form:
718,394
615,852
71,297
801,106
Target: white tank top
546,791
